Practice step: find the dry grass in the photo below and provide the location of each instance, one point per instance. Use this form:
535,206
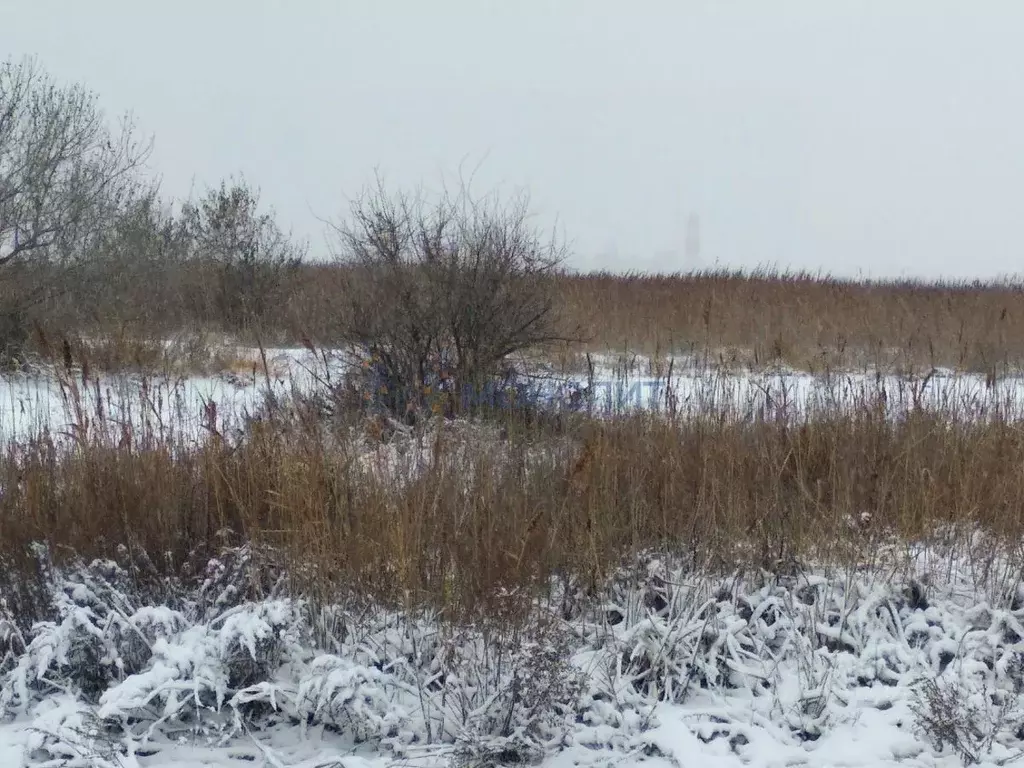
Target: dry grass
121,350
764,318
806,321
465,515
802,320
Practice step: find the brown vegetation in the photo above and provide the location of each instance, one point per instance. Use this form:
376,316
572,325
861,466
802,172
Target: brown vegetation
757,320
491,510
803,320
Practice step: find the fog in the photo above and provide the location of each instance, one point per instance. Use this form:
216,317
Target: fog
857,138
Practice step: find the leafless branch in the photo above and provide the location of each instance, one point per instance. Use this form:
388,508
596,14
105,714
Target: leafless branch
458,283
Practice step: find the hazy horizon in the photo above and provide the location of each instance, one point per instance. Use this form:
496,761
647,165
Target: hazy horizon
852,138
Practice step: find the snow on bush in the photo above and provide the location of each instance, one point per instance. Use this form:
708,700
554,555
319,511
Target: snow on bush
346,695
787,658
217,667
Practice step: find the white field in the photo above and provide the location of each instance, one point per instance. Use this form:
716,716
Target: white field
816,670
164,405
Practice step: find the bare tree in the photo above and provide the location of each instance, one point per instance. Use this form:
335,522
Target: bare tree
445,290
136,275
252,256
63,172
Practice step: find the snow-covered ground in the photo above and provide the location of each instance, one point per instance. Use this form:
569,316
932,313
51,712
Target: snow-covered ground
157,404
814,669
162,404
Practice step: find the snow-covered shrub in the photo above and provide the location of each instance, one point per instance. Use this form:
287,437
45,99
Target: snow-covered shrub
25,594
669,638
253,640
206,668
68,733
12,641
239,574
798,656
505,696
91,642
472,279
948,713
98,637
357,699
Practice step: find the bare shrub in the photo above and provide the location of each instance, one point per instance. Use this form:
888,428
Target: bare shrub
439,295
251,256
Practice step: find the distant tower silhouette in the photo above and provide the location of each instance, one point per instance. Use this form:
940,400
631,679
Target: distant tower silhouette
693,242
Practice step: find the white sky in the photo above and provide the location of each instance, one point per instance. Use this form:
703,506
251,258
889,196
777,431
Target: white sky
874,138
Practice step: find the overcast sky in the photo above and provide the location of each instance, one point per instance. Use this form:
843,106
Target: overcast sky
873,138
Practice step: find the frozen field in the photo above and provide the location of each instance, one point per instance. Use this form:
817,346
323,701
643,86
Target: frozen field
162,405
166,405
